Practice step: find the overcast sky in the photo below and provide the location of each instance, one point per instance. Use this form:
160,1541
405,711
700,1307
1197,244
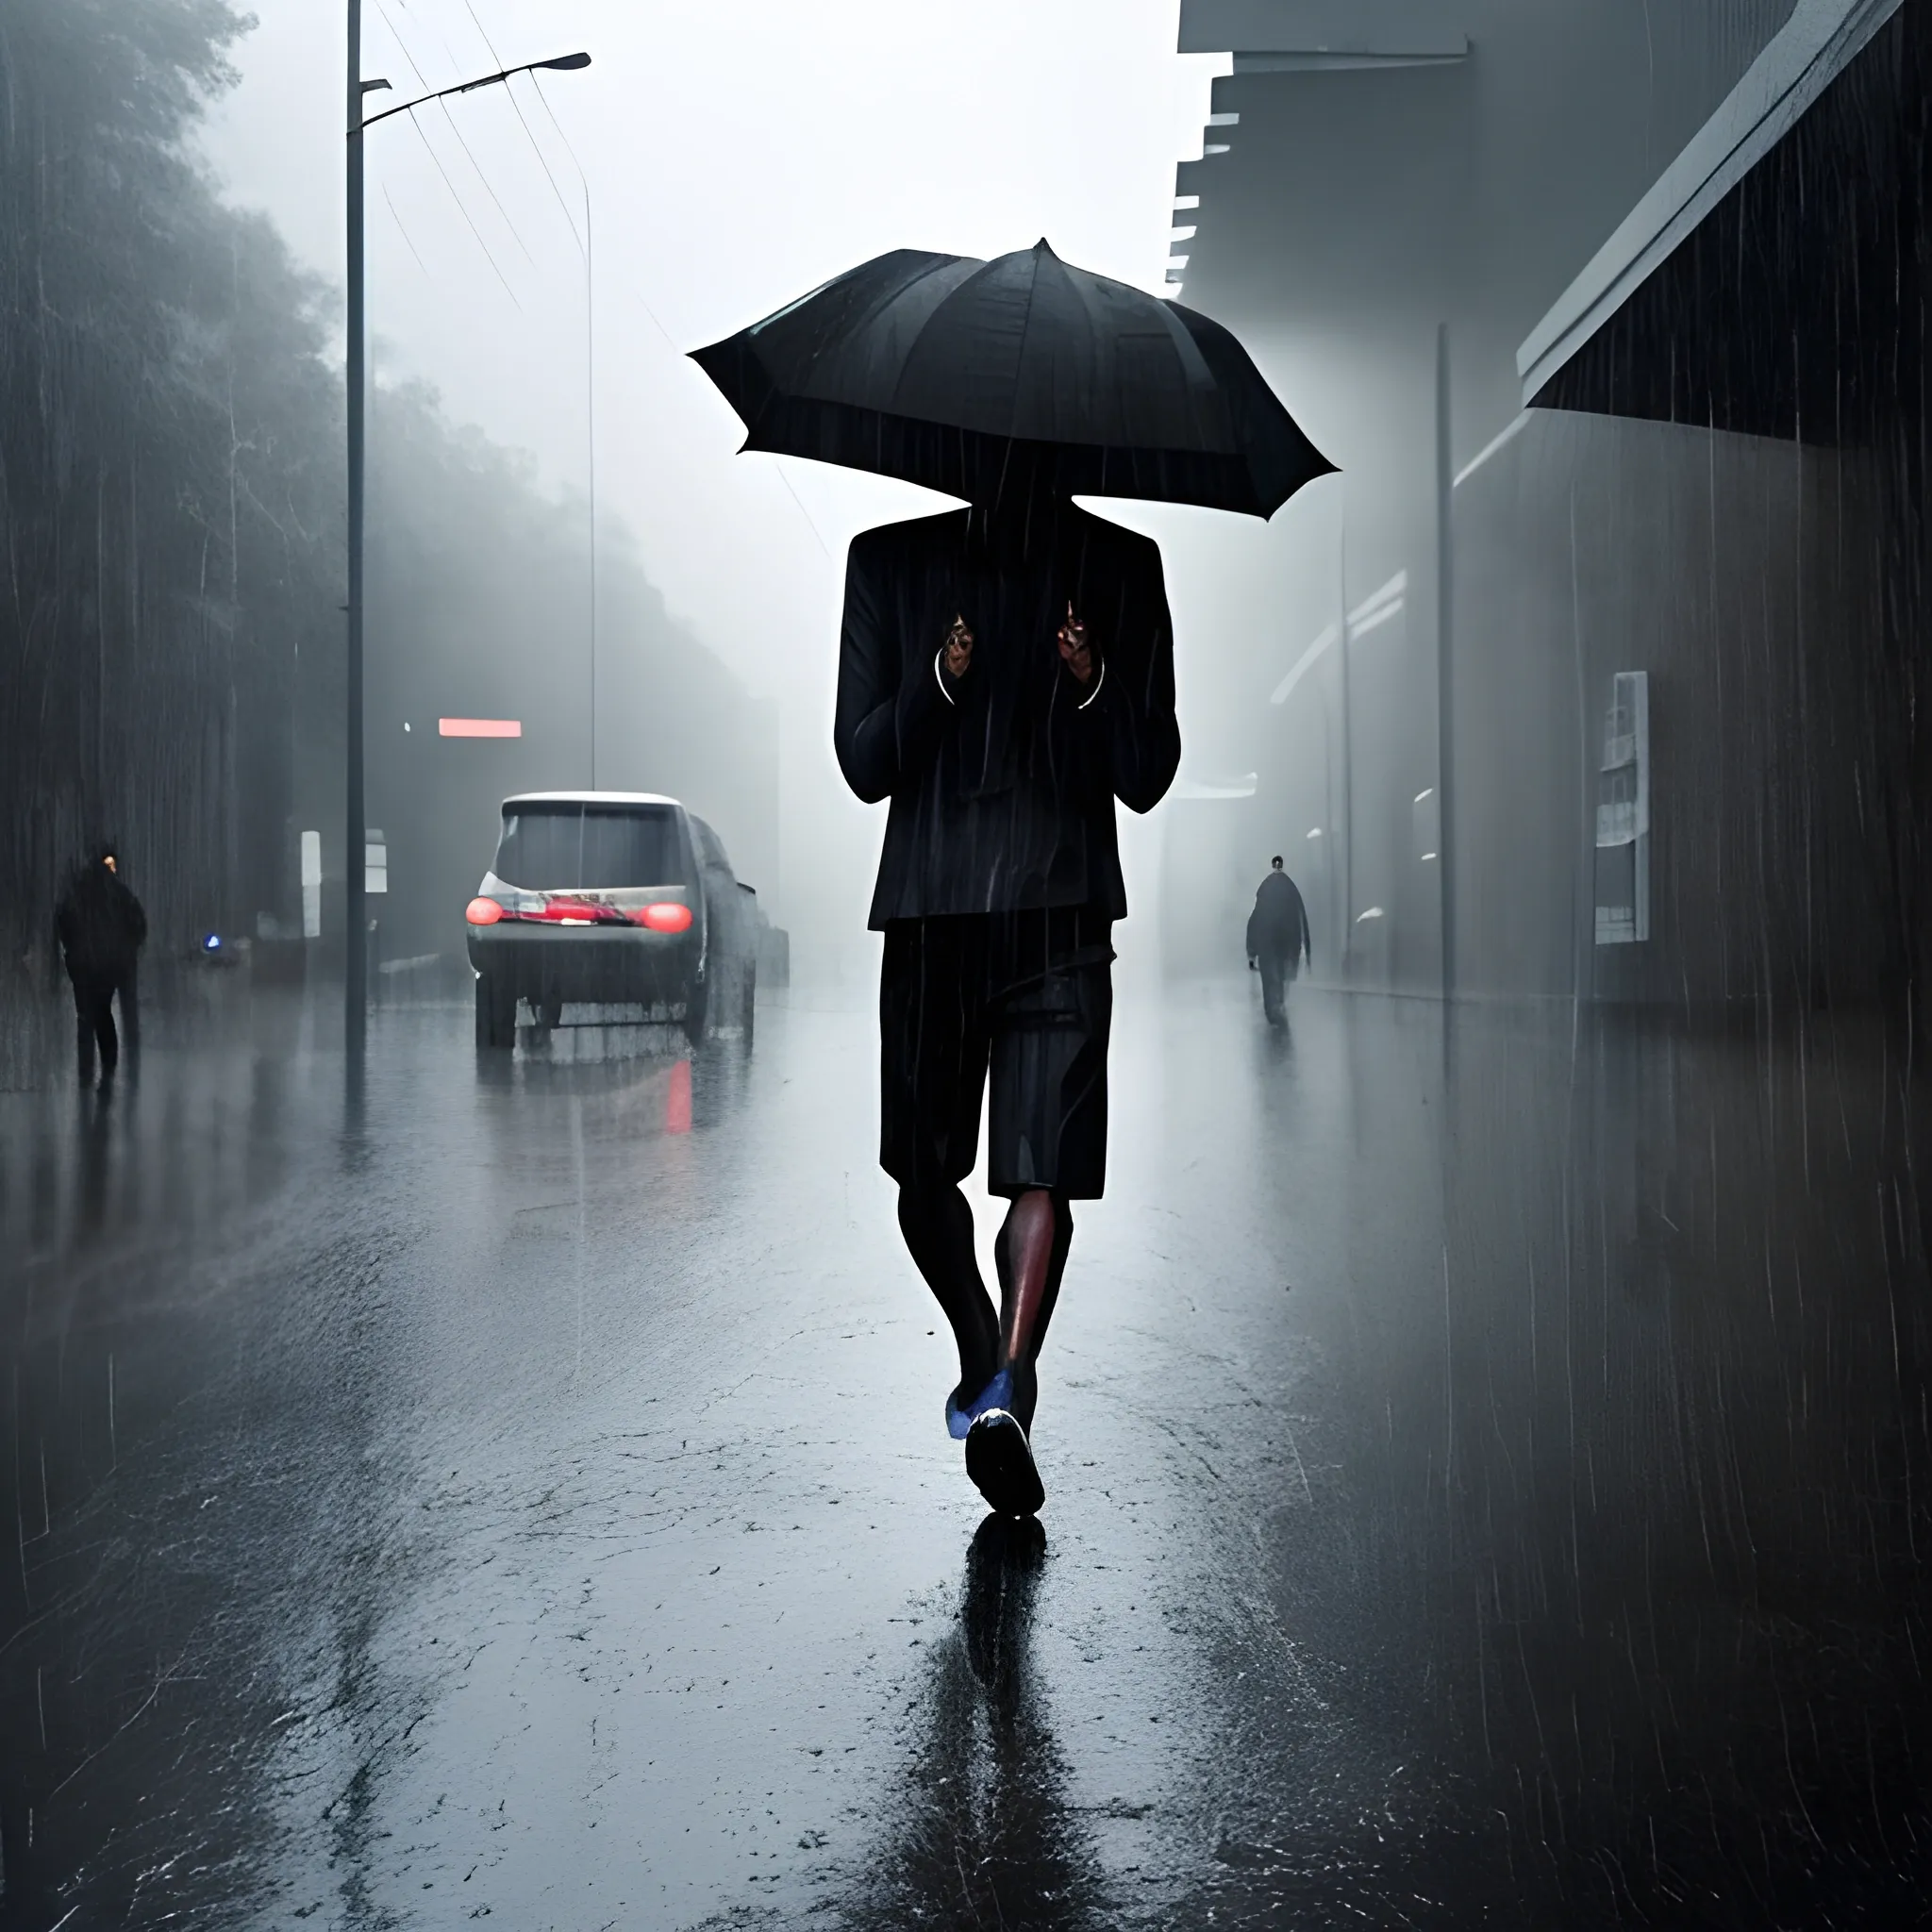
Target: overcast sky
735,155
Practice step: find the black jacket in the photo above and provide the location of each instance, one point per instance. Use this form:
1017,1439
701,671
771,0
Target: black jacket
1002,785
101,925
1278,925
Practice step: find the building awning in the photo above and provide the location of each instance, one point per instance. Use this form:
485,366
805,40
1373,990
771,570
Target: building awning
1297,36
1685,357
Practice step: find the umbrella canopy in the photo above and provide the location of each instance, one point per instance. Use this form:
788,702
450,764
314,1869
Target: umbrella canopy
943,370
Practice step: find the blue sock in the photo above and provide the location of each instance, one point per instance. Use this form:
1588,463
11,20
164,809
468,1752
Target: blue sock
998,1394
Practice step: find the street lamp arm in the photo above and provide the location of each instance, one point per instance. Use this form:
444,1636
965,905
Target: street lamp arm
566,62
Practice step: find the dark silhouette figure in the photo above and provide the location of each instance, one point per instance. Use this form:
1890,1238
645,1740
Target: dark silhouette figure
102,929
1277,939
1006,673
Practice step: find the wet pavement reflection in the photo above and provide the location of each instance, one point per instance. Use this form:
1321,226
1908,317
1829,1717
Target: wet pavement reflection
517,1489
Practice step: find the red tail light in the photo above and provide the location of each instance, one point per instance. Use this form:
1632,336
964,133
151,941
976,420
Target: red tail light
561,908
665,915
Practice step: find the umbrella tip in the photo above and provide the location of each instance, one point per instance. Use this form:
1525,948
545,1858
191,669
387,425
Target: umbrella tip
1044,247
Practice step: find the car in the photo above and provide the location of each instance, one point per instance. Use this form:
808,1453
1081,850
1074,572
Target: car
611,899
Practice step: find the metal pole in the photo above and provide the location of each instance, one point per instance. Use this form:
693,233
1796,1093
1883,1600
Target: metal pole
1347,947
355,855
590,444
1446,665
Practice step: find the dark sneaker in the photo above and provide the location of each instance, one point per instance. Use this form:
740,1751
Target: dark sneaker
1000,1461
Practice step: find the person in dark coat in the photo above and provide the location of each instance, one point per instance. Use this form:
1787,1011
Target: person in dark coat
102,930
1277,939
1006,673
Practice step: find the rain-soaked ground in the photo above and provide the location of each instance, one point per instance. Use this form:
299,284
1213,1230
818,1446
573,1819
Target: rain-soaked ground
517,1489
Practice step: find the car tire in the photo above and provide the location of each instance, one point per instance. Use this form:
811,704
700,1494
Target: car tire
496,1016
696,998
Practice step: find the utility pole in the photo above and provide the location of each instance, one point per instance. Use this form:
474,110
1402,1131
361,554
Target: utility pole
1347,946
1445,670
356,831
590,454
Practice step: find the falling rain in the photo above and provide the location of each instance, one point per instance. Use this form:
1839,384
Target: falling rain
962,965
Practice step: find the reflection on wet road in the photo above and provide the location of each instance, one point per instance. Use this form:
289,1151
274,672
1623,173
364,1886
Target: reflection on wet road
519,1491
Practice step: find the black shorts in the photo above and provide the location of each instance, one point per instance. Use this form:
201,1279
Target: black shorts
1027,997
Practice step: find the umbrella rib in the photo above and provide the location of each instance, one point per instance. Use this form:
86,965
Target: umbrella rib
937,266
1020,360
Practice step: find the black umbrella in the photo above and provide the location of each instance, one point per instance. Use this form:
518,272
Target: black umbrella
941,369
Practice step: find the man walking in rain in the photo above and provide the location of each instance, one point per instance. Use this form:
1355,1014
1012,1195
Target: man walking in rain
102,930
1006,673
1277,939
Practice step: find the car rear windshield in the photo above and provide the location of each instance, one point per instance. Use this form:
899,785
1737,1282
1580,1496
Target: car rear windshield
558,848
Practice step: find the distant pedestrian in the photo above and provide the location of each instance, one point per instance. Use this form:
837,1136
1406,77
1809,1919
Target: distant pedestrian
102,929
1277,939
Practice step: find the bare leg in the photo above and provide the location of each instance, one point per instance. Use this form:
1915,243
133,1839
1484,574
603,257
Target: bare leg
937,1226
1032,1256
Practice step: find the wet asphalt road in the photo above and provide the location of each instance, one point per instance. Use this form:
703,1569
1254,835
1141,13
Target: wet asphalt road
518,1491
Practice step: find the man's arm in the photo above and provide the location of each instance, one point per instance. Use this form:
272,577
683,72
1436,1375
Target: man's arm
885,730
1132,703
863,730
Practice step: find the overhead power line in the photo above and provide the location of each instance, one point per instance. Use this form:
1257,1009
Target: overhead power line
423,81
485,180
465,209
401,229
530,137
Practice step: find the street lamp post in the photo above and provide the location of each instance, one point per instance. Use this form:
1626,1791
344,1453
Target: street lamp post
355,858
356,994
